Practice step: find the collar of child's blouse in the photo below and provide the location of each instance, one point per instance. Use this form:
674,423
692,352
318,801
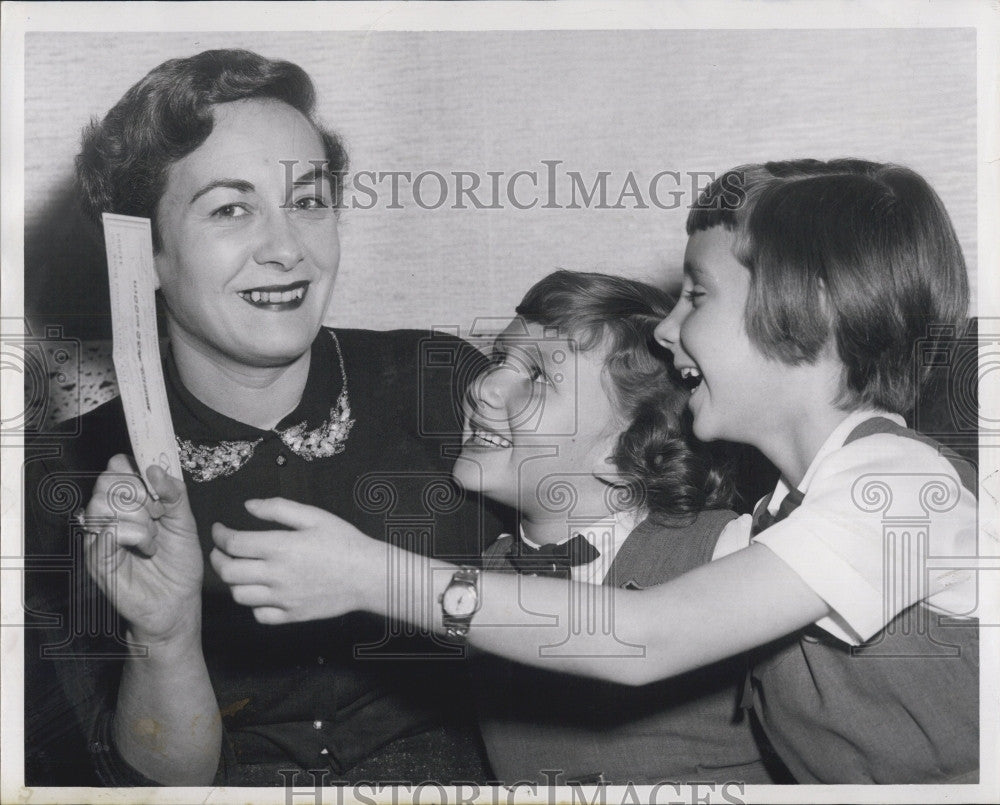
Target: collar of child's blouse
621,519
196,421
833,442
607,535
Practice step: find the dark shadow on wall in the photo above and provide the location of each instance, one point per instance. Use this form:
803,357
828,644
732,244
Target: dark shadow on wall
65,273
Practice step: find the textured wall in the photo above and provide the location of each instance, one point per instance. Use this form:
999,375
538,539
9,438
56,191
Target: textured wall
640,101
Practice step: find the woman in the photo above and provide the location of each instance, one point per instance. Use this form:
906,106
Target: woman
223,153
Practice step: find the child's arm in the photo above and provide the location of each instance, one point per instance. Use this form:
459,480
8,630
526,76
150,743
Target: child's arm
325,567
720,609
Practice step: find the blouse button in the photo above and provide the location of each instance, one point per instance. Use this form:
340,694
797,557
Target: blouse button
320,660
317,725
281,461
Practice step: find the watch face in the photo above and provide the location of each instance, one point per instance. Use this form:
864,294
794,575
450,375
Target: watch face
459,599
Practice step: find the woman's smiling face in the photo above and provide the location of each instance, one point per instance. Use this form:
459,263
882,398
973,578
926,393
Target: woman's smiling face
248,257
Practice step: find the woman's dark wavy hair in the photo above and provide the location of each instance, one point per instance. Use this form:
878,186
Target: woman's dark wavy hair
122,166
657,455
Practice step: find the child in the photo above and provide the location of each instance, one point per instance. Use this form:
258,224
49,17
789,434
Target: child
807,285
579,426
797,329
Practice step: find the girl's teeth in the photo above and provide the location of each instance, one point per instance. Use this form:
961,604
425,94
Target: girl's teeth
691,378
491,439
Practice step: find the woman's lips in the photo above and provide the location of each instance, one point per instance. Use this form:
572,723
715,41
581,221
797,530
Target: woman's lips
276,297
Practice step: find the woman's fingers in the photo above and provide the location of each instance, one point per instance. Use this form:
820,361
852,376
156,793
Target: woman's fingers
101,557
118,515
271,616
104,546
248,584
141,538
287,512
169,489
253,595
121,464
172,493
237,571
118,492
244,544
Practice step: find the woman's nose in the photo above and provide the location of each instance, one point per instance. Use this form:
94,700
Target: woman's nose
667,332
279,244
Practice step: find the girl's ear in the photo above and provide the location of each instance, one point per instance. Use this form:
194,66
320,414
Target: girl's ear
607,471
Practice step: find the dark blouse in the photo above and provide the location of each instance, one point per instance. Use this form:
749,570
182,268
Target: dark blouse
319,695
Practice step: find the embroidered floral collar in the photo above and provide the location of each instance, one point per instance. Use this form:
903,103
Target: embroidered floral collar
206,461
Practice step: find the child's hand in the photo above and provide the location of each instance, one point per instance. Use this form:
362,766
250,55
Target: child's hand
322,568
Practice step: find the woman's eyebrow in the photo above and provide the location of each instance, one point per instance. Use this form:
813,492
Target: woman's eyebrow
239,185
310,176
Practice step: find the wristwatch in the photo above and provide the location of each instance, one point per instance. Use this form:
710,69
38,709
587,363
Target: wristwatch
459,602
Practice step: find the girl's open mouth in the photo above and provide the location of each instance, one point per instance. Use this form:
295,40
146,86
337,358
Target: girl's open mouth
276,297
485,438
690,377
490,439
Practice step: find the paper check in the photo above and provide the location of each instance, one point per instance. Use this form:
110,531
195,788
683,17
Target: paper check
136,352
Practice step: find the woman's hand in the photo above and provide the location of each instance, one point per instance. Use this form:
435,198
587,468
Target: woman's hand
321,568
144,553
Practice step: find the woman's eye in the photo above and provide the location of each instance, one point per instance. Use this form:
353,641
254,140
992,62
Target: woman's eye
311,203
693,294
231,211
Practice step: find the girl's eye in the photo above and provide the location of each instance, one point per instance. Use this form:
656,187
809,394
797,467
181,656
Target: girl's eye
692,295
231,211
527,368
536,375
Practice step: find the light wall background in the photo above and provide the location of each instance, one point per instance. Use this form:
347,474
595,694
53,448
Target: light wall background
618,101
